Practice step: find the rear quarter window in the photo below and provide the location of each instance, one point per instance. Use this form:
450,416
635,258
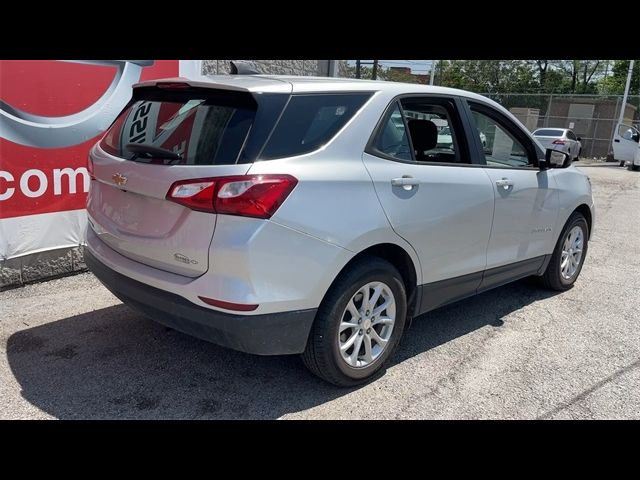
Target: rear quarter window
311,121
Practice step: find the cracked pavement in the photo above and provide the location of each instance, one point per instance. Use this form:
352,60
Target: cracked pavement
69,349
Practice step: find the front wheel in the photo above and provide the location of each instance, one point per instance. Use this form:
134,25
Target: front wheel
359,323
568,256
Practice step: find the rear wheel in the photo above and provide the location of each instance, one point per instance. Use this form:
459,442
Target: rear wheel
568,257
359,324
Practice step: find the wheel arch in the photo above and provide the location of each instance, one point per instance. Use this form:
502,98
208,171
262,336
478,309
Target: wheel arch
399,258
586,212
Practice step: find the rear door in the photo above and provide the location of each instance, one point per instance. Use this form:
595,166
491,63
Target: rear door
432,195
526,198
625,143
165,136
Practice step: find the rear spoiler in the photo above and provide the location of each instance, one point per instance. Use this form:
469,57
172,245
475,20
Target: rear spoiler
238,83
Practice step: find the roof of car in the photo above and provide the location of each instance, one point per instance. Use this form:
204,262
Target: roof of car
552,128
300,84
308,84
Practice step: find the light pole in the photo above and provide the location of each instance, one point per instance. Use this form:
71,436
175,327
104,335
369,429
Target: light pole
626,93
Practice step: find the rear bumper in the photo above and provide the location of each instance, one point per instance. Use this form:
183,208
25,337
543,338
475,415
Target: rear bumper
267,334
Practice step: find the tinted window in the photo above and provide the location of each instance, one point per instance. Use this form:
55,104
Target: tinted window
547,132
310,121
501,148
571,135
392,139
199,131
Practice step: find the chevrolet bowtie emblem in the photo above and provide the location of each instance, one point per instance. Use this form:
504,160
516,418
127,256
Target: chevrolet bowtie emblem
118,179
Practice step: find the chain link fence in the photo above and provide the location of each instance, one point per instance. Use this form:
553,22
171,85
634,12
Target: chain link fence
592,117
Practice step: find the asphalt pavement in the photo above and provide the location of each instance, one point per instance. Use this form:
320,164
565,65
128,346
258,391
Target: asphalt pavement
69,349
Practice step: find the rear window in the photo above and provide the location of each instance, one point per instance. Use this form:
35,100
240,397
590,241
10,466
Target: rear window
310,121
548,133
188,131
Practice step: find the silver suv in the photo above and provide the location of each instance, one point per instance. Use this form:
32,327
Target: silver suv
316,216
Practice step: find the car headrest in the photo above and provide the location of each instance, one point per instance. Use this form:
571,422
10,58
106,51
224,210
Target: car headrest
424,134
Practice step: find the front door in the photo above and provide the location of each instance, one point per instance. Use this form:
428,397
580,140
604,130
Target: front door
526,199
625,143
433,197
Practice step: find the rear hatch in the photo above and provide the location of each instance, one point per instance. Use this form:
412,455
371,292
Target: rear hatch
169,133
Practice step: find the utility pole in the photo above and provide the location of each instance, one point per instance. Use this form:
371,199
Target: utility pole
433,71
374,71
358,69
626,92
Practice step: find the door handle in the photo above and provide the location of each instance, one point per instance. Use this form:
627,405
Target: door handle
617,141
504,183
406,181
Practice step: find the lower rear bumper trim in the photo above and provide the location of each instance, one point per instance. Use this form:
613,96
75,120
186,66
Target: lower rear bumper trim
267,334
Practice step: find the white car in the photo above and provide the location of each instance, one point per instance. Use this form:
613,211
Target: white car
626,146
560,139
444,138
316,216
483,138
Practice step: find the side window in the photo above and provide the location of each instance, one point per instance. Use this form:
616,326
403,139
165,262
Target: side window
571,135
392,138
435,134
310,121
628,133
500,147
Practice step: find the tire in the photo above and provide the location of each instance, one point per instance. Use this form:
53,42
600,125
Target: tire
554,276
634,167
322,355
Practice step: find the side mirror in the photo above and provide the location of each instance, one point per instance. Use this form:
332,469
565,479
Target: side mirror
556,159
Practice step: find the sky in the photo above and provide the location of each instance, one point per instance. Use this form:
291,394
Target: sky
417,66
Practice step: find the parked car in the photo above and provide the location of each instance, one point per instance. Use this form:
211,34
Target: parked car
626,146
316,216
445,140
483,138
561,139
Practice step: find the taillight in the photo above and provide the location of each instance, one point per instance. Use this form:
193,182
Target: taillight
256,196
196,194
559,142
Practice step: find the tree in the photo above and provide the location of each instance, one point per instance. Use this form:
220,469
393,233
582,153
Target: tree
397,76
581,74
614,84
487,76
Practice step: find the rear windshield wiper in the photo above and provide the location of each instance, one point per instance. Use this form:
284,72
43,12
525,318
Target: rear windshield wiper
149,151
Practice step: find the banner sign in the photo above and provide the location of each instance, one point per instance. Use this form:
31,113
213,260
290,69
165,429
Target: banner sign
51,113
